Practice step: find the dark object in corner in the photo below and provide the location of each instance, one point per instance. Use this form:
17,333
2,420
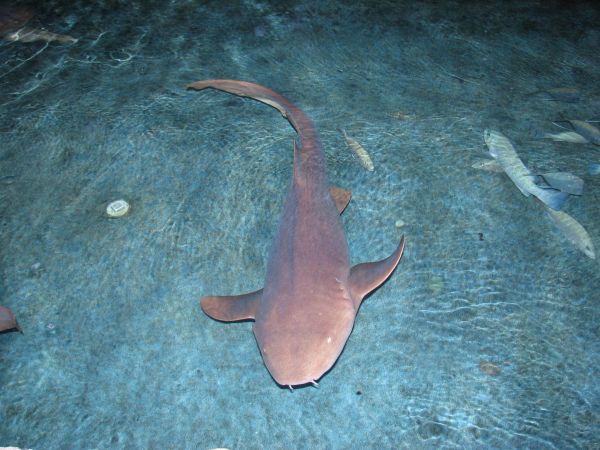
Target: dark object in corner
8,321
13,17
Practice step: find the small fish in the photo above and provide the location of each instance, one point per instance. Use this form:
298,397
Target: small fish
489,368
27,34
587,130
573,231
360,152
8,179
12,27
490,165
566,136
562,181
561,94
594,169
8,320
564,94
400,115
435,284
502,150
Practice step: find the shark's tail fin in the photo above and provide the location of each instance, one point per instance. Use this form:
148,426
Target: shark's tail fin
295,115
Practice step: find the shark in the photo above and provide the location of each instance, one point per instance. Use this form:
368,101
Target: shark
306,310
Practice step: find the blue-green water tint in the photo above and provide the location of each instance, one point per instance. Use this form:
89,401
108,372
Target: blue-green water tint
116,352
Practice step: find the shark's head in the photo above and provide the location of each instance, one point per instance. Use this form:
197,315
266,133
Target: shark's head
302,351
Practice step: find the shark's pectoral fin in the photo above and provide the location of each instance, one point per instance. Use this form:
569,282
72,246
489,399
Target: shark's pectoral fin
8,321
341,197
232,308
367,276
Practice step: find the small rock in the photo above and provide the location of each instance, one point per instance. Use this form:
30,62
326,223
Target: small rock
489,368
118,208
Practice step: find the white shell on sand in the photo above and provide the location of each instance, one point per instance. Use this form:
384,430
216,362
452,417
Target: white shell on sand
118,208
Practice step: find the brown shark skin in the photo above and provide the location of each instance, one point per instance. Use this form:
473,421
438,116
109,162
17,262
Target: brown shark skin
305,313
8,320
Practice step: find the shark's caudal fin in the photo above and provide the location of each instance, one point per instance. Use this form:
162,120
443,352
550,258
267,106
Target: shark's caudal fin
295,116
367,276
232,308
245,89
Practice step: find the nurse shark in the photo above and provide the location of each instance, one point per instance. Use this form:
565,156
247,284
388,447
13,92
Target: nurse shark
305,313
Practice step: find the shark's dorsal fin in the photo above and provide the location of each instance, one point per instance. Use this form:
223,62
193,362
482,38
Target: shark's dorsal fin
232,308
341,197
367,276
